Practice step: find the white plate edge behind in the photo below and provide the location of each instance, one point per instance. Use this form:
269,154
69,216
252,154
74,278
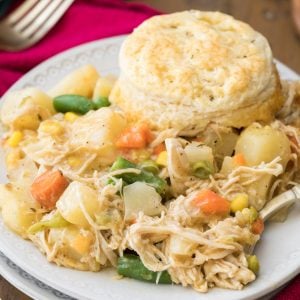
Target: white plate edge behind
27,283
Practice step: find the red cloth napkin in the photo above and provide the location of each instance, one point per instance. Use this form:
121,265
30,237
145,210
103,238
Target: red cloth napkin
291,292
85,21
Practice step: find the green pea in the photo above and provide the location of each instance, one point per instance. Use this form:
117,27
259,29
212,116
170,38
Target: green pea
253,263
202,169
73,103
250,214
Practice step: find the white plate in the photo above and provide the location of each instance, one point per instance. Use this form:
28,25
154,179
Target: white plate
39,290
279,250
28,284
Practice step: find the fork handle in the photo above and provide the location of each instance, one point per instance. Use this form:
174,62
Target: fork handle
282,200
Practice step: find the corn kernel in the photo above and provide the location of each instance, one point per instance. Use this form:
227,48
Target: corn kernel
239,202
74,161
81,243
51,127
12,158
15,139
27,122
162,159
71,117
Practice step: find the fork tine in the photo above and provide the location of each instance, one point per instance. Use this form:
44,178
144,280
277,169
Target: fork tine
20,11
31,15
51,21
42,18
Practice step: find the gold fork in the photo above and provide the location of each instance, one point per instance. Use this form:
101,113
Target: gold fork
30,22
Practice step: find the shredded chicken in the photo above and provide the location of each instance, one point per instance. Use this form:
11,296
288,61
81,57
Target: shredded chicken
178,166
219,243
198,250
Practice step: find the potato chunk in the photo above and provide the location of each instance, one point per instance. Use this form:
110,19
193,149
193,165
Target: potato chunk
75,247
263,144
140,196
25,109
97,132
103,87
19,211
76,195
20,167
81,82
196,152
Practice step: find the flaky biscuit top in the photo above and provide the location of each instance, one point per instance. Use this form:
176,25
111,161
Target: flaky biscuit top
207,57
188,69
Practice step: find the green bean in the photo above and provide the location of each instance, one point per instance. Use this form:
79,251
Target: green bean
57,221
121,163
202,169
73,103
131,266
101,102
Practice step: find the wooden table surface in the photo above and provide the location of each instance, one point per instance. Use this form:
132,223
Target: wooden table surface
270,17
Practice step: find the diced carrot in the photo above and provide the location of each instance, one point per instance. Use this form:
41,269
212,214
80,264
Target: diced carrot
258,226
239,159
159,148
48,187
129,140
144,128
210,203
135,137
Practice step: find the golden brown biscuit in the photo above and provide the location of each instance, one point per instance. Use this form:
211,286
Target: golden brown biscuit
187,69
